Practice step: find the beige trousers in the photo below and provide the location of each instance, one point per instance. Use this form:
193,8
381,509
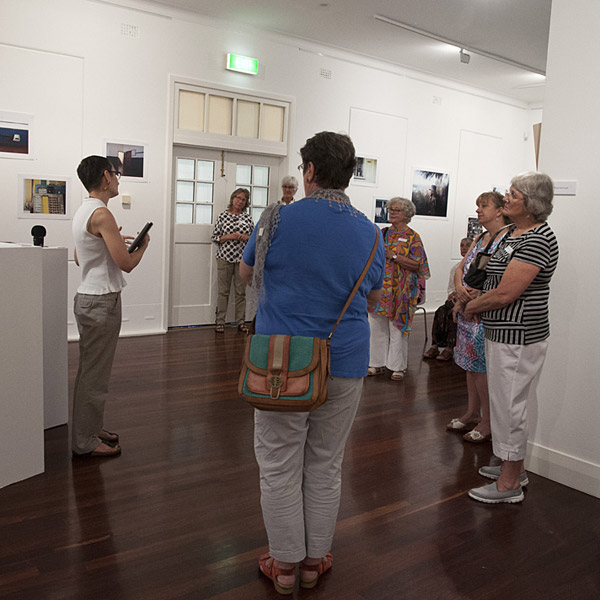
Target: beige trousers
299,455
99,322
226,272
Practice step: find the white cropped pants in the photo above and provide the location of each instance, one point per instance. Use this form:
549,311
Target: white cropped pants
513,373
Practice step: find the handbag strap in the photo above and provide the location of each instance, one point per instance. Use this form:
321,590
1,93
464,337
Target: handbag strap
489,244
358,282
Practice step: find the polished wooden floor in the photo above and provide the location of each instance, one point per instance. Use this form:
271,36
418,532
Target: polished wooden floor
177,516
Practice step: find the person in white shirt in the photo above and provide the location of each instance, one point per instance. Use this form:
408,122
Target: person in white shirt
102,253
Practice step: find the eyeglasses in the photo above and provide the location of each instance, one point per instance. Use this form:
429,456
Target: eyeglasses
116,173
395,210
513,196
289,187
301,168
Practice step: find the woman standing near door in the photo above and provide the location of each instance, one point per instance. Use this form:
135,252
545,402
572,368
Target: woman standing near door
231,233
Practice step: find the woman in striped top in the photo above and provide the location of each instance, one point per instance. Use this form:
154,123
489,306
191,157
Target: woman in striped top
514,311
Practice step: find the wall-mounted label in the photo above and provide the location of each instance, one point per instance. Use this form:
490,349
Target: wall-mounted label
565,188
242,64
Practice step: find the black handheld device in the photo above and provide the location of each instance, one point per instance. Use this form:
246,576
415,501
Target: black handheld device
140,237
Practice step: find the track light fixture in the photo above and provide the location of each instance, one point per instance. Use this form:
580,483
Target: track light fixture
464,57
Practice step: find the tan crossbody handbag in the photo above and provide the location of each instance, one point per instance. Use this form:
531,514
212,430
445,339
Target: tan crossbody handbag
289,372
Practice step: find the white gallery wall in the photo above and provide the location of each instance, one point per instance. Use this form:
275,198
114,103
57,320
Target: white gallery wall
71,67
67,63
566,441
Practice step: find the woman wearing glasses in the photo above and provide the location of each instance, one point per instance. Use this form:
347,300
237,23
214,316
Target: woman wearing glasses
231,234
406,270
514,311
101,252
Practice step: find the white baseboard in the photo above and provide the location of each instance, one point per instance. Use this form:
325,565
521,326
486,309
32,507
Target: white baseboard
562,468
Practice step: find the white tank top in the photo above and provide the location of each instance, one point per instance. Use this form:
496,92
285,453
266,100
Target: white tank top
99,272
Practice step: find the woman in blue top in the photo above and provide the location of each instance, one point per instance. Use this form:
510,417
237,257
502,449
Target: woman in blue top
304,260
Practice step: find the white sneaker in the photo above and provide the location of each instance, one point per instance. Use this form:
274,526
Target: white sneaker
491,495
494,473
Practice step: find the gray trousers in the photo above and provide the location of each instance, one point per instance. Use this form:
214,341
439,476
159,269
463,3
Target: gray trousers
227,271
99,322
299,455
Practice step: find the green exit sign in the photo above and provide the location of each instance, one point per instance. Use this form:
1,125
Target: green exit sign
242,64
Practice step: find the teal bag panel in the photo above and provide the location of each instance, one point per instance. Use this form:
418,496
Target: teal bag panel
306,396
301,352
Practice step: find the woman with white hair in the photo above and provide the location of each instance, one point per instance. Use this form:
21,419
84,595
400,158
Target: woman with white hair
289,187
514,311
406,270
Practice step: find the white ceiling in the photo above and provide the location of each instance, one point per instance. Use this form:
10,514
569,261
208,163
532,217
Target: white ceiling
516,30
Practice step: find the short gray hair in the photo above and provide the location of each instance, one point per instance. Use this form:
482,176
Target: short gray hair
409,209
538,191
289,180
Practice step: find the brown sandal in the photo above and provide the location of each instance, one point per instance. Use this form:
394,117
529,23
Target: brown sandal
432,352
266,564
242,327
319,569
220,328
109,436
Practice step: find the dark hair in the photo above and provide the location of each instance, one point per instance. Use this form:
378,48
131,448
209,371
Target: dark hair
91,170
497,199
333,157
235,193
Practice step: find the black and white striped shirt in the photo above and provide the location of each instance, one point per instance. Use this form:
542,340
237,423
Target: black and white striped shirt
525,321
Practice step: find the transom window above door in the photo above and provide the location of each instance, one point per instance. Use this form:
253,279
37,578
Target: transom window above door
194,194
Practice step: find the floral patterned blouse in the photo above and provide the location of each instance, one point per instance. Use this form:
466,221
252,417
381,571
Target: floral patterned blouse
403,289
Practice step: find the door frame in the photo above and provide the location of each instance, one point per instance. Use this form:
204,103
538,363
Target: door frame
231,144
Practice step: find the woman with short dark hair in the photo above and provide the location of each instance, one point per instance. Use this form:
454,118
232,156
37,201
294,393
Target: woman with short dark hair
304,259
101,252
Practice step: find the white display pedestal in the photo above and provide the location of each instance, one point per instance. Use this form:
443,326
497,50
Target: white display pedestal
21,364
33,355
54,318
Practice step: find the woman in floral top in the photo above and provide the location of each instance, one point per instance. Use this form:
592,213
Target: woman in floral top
231,233
403,287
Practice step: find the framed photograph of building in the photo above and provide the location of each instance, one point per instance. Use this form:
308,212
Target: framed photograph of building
430,193
129,159
43,197
365,171
15,135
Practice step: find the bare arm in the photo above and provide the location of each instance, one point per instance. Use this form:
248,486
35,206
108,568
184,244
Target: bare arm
246,272
75,257
103,224
373,298
516,279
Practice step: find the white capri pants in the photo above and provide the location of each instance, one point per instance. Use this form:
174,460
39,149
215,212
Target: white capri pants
513,373
299,456
389,346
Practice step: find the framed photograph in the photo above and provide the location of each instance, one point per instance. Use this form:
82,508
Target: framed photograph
474,227
381,211
128,159
430,193
15,135
43,198
365,172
